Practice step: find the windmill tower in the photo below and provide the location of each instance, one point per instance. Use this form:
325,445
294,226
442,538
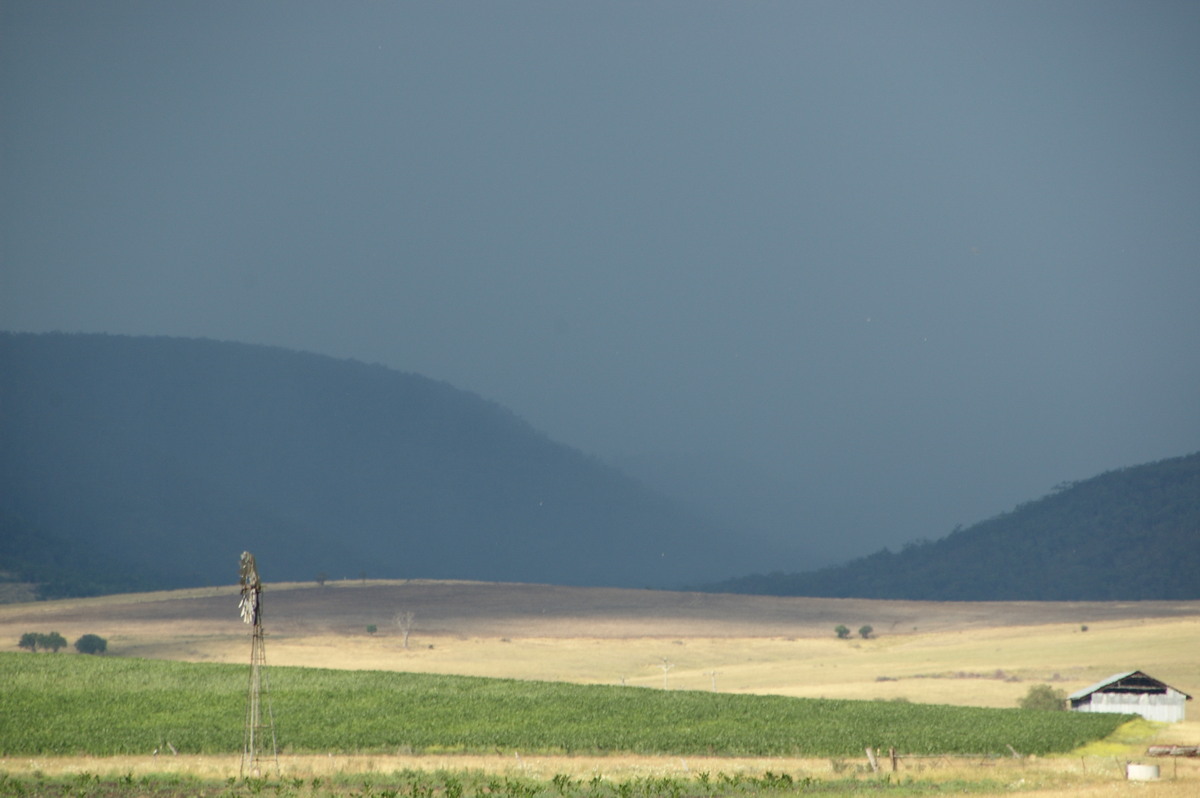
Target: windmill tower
257,746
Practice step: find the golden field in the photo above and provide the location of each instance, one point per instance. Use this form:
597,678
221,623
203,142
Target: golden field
980,654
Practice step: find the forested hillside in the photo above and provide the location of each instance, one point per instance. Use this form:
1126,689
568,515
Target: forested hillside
136,463
1124,535
153,462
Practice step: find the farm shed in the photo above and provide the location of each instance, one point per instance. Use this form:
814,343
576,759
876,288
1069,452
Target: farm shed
1135,693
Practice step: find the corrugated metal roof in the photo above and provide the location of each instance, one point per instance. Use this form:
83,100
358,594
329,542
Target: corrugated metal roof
1085,692
1089,690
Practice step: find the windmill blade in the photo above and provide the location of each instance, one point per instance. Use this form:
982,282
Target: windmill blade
248,571
246,610
251,587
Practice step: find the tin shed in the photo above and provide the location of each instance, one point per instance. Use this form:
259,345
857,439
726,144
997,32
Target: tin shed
1135,693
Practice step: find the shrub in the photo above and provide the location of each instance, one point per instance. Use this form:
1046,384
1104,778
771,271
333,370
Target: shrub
53,641
91,644
865,631
842,631
1043,696
35,640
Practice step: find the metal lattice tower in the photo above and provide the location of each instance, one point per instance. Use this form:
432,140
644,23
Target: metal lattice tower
259,742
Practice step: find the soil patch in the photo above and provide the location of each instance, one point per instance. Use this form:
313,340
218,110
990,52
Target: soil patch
476,609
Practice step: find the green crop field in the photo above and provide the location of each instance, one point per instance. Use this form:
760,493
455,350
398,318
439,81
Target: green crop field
71,705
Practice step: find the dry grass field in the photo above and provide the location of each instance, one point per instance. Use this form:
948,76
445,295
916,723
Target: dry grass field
979,654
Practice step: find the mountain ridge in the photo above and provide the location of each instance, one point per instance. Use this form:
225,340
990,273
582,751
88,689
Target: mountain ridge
166,457
1128,534
133,463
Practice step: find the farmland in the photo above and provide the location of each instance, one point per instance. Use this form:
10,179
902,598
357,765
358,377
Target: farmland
629,685
970,654
88,705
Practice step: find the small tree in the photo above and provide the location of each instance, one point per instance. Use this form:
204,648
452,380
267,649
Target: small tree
1043,696
865,631
842,631
404,620
53,641
29,640
372,628
91,644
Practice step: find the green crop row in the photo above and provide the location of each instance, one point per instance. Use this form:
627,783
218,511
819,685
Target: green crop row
59,704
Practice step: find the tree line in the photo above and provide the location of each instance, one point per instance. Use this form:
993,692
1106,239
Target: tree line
87,644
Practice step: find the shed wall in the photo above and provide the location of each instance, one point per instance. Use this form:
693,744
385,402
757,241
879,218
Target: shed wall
1167,708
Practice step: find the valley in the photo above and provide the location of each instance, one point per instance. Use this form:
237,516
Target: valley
968,653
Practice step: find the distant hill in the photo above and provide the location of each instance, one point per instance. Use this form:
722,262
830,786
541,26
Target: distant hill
132,463
1129,534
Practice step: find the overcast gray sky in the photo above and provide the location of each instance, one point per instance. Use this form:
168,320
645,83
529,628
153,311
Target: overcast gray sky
917,262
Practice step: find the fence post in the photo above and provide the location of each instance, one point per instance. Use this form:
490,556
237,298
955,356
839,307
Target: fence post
892,754
871,758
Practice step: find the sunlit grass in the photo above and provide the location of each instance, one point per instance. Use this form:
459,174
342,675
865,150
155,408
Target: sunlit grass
1128,739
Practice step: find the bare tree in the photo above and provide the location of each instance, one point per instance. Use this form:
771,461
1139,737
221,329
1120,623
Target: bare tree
666,666
404,621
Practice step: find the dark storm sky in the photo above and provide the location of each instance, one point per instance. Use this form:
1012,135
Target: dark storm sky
917,262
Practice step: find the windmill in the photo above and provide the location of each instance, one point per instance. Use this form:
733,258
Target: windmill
256,743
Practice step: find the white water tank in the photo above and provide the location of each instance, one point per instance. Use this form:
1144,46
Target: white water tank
1135,772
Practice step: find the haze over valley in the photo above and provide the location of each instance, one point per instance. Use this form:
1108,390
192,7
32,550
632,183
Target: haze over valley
151,462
